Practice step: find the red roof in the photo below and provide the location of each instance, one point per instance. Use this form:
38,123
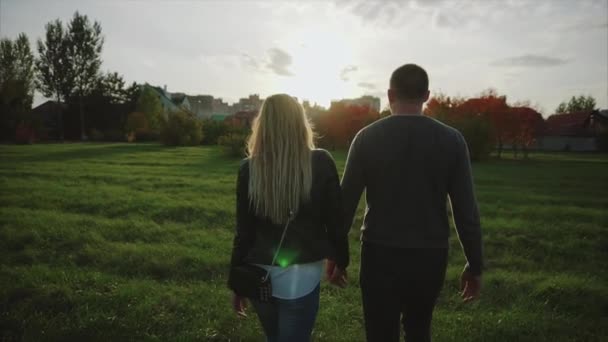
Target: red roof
243,118
570,124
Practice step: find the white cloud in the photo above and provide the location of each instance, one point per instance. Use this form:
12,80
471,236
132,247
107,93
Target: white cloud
279,62
347,71
530,60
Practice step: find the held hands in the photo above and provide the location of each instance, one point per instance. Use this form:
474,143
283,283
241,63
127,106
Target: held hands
470,285
239,305
335,275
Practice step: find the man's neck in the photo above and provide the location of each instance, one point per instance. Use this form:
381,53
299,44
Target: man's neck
406,109
407,114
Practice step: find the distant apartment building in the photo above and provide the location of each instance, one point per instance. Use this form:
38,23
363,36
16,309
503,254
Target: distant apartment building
251,103
222,108
201,105
205,106
369,101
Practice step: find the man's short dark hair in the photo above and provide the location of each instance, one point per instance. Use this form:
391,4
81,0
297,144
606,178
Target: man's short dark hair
409,82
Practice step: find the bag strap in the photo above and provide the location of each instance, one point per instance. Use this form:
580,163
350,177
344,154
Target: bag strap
276,254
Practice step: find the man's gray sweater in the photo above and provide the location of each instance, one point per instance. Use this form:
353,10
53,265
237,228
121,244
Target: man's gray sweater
409,165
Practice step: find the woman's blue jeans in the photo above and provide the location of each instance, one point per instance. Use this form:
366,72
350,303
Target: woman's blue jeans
289,320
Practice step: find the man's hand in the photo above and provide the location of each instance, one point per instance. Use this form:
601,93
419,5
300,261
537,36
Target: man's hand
239,304
330,266
334,274
470,285
339,277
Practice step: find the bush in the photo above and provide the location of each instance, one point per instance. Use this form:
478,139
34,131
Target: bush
97,135
114,135
213,130
146,135
181,129
138,129
233,144
25,134
477,132
136,121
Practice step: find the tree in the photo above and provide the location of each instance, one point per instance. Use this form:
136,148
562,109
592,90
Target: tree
84,44
562,108
16,82
149,104
529,125
579,103
54,78
111,87
136,123
494,108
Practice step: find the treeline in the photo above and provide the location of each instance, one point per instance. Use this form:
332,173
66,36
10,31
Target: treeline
334,128
93,105
67,69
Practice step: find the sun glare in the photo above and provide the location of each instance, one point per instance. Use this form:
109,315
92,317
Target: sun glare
319,55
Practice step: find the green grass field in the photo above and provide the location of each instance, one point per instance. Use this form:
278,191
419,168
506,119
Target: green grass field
106,242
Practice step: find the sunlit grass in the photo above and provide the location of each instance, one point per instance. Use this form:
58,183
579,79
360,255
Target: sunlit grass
119,241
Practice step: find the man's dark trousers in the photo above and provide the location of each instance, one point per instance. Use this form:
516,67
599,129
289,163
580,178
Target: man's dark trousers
400,283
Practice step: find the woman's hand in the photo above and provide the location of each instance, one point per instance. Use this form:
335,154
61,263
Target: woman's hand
239,305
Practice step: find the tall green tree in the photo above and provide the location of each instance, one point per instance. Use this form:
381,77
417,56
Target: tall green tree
111,86
84,44
132,93
562,108
54,77
16,82
577,104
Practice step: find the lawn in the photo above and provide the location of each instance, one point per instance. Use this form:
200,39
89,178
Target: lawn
132,242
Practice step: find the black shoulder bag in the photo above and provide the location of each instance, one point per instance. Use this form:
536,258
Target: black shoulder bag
253,281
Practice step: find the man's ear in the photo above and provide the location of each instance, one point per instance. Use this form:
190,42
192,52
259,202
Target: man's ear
426,96
391,95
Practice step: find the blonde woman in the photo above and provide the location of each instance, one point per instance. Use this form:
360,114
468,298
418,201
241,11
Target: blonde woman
286,179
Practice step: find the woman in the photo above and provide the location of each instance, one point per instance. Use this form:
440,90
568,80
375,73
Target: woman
286,179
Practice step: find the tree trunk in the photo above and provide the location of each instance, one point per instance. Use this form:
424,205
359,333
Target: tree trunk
83,135
499,148
515,150
60,117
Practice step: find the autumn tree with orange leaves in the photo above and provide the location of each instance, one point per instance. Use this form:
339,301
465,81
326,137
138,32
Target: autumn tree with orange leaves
488,121
529,125
337,126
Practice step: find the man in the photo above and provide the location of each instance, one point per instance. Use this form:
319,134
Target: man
409,164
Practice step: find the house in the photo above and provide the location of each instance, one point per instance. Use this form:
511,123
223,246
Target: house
599,121
242,119
571,132
50,115
171,102
181,101
57,119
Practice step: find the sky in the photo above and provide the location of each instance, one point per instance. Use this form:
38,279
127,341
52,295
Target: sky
540,51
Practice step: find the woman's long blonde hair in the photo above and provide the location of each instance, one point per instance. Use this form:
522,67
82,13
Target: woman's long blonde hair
279,148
